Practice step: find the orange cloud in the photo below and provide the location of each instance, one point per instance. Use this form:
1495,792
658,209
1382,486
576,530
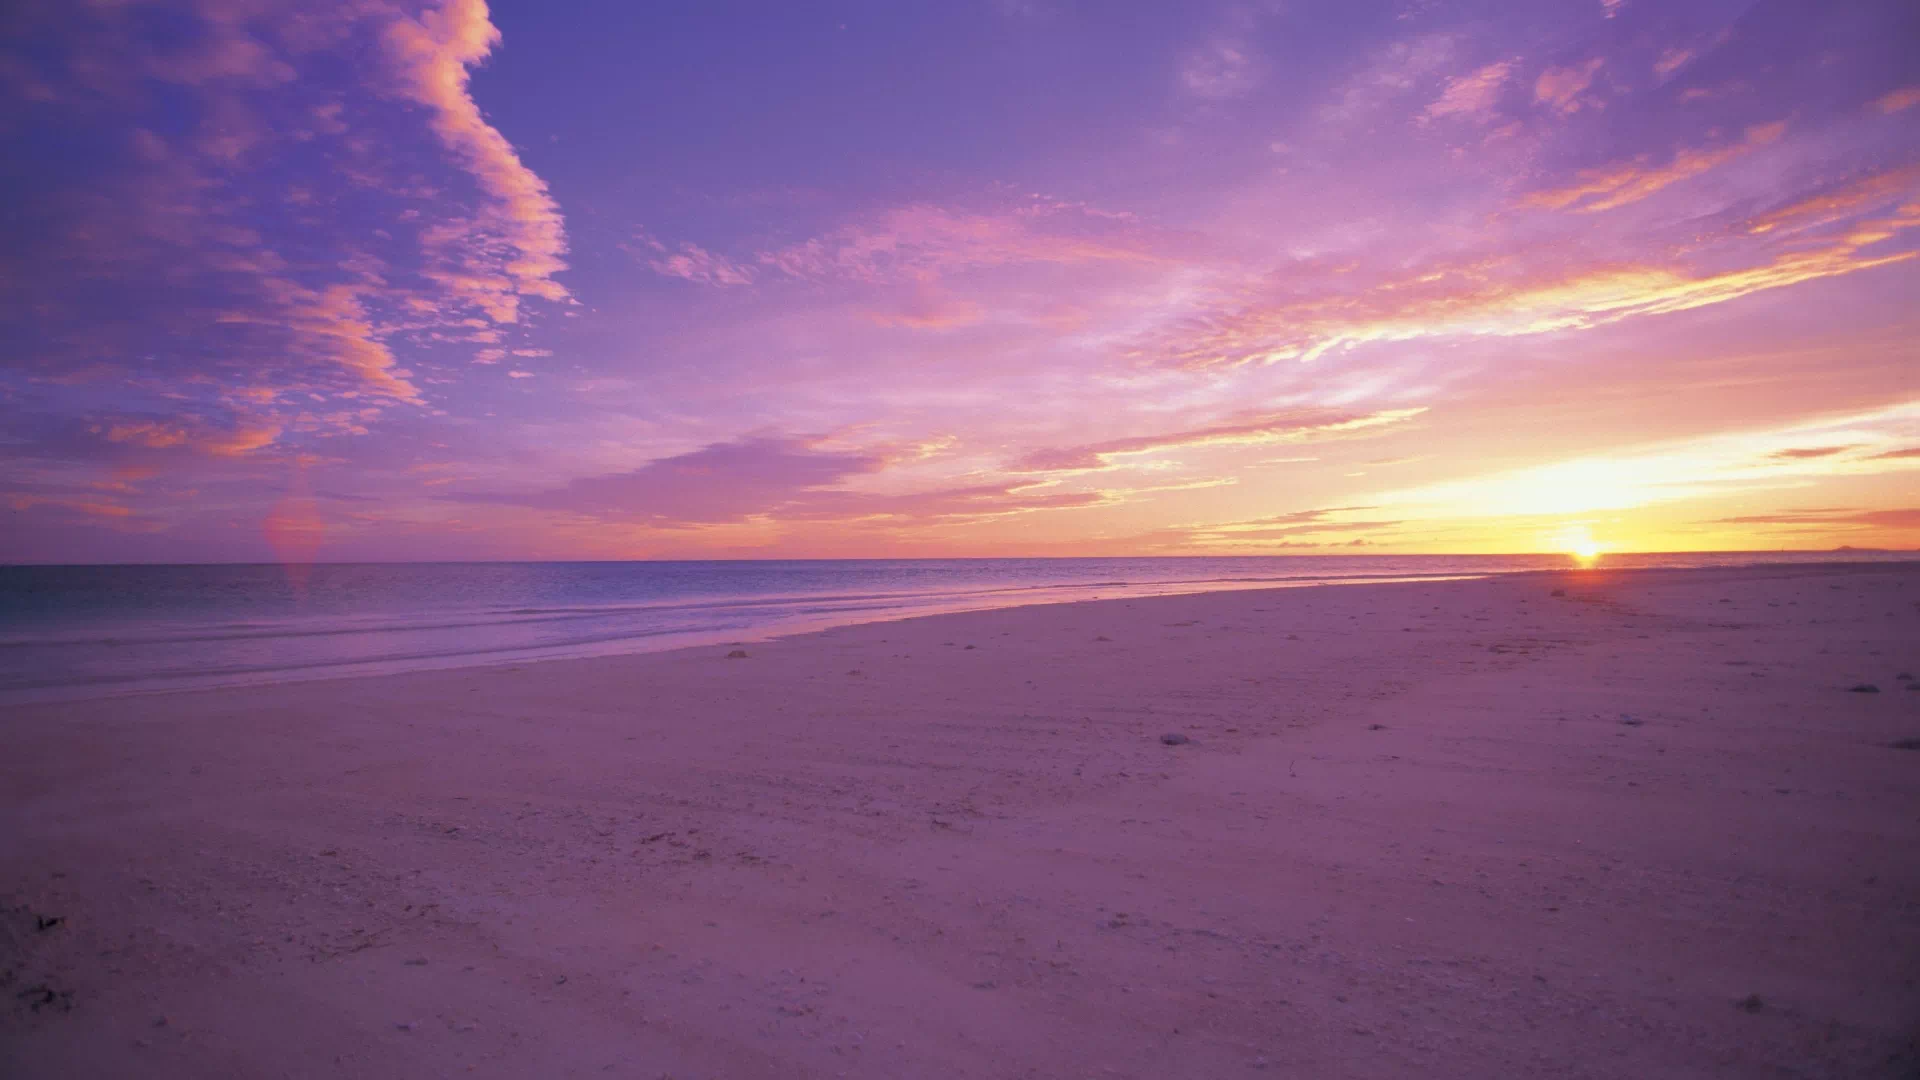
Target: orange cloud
1619,185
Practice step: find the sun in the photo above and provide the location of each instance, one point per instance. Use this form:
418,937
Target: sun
1580,544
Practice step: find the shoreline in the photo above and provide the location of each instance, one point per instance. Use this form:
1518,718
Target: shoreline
330,671
634,644
1460,828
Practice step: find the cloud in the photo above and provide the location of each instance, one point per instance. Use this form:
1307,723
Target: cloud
1473,94
1719,464
1670,61
1496,297
333,322
696,264
1902,518
1559,89
1220,69
1908,453
188,433
1283,530
928,308
1252,431
254,216
1808,453
97,508
1389,74
433,55
1899,100
1840,201
785,479
720,482
920,242
1618,185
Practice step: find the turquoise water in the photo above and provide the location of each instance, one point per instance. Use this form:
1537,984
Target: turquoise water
69,631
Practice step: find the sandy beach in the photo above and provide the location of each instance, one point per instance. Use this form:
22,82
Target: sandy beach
1591,824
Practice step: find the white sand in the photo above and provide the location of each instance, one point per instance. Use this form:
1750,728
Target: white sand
1414,834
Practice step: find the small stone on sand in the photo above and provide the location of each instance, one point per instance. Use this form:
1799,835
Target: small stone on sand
1863,688
1174,738
737,654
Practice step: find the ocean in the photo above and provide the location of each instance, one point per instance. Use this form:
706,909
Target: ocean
83,631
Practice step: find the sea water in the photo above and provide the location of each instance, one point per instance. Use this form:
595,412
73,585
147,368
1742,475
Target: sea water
73,631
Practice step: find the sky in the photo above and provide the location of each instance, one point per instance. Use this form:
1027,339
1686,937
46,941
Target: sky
388,279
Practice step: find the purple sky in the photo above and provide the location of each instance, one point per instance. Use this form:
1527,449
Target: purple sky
371,279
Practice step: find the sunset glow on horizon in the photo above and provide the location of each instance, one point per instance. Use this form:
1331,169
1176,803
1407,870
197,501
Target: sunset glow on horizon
388,279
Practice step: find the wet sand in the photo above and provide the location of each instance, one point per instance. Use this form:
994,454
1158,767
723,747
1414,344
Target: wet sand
1459,829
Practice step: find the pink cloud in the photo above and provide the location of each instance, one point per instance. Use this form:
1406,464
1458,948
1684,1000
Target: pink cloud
1839,202
1250,431
1220,69
720,482
696,264
1618,185
332,323
433,54
1670,61
927,308
1809,453
1495,296
170,434
774,479
1473,94
918,242
1898,100
1560,89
